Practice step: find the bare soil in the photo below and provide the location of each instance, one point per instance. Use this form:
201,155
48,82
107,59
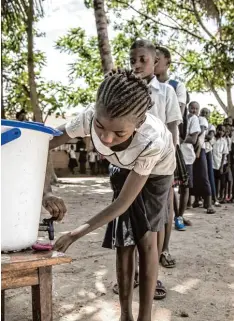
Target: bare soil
200,288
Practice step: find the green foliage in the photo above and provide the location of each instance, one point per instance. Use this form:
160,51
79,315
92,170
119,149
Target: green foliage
16,93
216,117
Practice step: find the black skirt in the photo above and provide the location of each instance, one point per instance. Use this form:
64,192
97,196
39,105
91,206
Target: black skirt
149,211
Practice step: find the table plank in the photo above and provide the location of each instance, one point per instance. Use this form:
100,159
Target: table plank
31,259
20,278
42,296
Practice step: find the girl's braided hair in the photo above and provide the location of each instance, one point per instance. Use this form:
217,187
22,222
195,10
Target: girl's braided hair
122,93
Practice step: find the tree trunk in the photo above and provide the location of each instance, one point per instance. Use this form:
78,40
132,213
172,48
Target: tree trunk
102,32
31,73
230,104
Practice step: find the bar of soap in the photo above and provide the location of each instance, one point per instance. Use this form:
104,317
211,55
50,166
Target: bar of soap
42,247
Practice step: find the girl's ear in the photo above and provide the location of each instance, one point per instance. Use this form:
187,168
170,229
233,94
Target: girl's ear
156,60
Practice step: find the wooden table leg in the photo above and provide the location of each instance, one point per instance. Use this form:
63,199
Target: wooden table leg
2,305
42,295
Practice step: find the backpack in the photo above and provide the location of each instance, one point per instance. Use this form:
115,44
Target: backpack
183,125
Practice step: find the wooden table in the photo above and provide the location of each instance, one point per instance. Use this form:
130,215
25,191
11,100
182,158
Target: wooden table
31,269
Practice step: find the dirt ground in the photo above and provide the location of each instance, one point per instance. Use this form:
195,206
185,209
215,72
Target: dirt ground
201,286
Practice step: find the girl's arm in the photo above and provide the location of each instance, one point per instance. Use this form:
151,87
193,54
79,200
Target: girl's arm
173,128
132,187
59,140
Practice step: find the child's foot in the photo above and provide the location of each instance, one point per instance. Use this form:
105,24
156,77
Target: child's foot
179,224
166,260
210,210
160,291
217,204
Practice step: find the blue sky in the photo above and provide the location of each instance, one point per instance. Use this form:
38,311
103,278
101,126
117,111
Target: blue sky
60,16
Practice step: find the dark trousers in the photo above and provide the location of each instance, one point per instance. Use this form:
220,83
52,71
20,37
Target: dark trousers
211,174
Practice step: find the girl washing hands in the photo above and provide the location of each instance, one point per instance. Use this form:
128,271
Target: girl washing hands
136,141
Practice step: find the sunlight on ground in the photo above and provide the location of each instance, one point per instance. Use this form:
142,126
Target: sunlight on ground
107,312
231,286
162,315
85,294
99,280
188,214
186,286
231,263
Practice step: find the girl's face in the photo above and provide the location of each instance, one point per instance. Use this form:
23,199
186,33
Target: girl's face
194,109
221,131
142,63
113,131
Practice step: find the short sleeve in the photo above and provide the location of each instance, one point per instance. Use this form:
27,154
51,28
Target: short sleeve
203,122
80,125
148,160
173,112
181,93
194,125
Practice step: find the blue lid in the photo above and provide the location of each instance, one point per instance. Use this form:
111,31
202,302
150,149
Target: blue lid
31,125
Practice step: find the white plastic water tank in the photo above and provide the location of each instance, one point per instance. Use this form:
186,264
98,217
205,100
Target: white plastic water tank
24,159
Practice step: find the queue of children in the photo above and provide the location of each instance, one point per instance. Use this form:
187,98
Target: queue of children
141,124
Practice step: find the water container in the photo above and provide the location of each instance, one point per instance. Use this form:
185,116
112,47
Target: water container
24,159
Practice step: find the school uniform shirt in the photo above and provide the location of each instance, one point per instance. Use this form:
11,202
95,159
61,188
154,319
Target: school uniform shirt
209,144
220,148
166,105
203,122
92,157
72,154
193,126
150,152
180,91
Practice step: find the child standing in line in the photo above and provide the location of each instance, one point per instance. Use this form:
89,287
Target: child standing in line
209,140
136,141
72,160
92,161
226,177
201,183
220,151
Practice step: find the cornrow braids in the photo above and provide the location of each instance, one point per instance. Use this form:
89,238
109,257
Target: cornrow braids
122,93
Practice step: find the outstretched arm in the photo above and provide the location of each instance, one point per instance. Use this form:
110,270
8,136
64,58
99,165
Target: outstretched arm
132,187
59,140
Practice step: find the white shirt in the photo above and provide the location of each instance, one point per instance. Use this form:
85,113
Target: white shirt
92,157
180,91
193,126
209,144
166,106
203,122
150,152
220,148
72,154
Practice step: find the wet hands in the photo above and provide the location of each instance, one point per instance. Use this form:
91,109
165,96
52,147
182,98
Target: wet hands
55,206
63,243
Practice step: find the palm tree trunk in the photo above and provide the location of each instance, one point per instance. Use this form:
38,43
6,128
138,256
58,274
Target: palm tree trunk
31,73
102,32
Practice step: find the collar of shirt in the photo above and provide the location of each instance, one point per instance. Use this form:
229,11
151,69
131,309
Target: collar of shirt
126,157
154,83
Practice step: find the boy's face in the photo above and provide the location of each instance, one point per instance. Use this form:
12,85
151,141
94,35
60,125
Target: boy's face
142,63
205,113
162,65
194,109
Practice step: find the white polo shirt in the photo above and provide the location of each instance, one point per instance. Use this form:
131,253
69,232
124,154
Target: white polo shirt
203,122
193,126
150,152
220,148
166,106
180,91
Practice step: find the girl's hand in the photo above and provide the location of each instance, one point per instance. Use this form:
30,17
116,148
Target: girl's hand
63,243
221,170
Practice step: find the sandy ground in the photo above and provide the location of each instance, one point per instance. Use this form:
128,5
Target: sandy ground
201,285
